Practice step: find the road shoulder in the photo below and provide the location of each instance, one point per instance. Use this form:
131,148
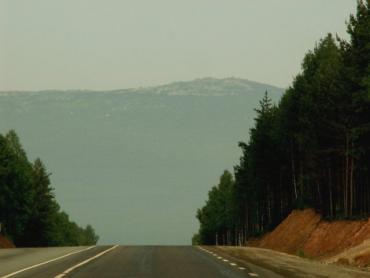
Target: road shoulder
286,264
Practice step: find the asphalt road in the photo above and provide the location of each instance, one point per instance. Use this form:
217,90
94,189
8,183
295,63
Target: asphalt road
129,261
124,261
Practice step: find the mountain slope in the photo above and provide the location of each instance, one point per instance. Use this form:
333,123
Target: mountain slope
136,162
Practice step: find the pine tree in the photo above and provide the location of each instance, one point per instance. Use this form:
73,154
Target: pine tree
29,214
40,227
312,150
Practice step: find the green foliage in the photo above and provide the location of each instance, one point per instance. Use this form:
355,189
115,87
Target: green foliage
312,150
28,210
195,240
216,217
15,187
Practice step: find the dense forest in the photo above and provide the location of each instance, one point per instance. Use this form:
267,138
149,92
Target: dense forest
29,213
310,150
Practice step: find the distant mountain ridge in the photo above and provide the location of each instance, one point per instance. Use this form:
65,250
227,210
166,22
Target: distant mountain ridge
207,86
163,145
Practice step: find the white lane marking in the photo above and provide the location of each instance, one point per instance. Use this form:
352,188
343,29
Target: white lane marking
220,258
253,274
85,262
49,261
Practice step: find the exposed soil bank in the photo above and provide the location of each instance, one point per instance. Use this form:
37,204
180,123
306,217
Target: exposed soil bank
5,243
304,233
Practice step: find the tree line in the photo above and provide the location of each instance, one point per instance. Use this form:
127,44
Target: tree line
310,150
29,213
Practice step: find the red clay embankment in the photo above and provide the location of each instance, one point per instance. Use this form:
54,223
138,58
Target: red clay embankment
5,243
303,232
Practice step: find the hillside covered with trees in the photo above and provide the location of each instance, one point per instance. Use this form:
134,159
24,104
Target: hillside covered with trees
310,150
29,213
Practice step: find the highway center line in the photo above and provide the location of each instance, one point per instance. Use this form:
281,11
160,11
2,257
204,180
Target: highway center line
85,262
253,274
43,263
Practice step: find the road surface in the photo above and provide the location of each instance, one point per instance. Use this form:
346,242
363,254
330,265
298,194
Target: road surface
138,261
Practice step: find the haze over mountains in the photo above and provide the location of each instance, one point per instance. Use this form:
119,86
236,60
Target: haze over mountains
153,152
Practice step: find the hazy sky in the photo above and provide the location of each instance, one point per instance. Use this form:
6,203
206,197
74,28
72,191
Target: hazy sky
107,44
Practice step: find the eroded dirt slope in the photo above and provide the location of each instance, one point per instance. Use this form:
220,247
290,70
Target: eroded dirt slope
5,243
304,233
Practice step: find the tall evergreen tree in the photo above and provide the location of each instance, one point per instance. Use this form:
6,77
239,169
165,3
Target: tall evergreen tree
15,187
312,150
29,213
40,228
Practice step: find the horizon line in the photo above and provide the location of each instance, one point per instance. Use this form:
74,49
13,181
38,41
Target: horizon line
138,87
